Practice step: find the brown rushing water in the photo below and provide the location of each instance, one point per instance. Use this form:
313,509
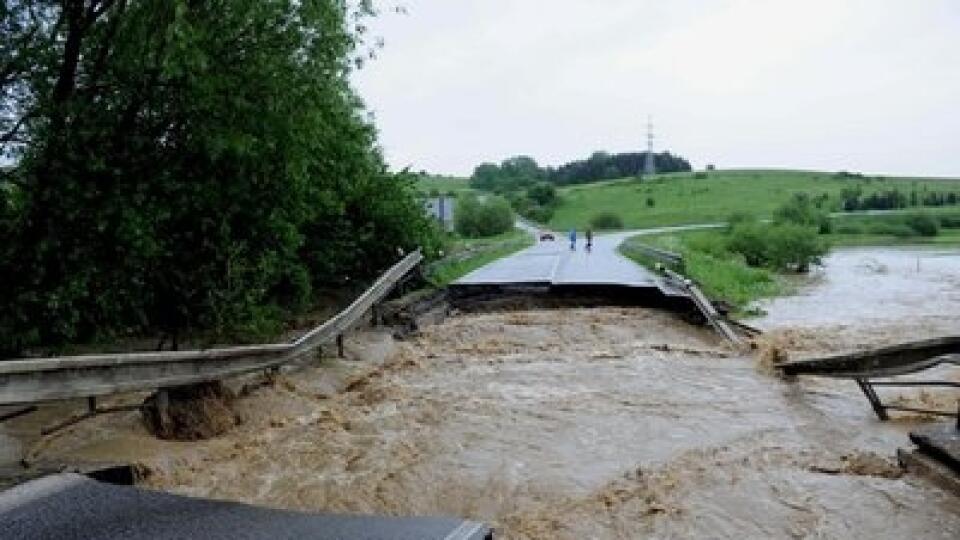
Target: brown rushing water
875,286
566,423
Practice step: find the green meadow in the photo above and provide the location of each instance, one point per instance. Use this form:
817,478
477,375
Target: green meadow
684,198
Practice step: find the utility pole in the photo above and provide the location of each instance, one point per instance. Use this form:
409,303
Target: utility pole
649,168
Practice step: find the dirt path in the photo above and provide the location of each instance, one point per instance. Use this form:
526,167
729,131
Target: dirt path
565,423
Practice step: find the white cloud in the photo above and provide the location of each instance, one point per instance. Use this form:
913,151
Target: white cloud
858,85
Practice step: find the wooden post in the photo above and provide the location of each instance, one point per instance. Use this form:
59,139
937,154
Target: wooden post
91,404
340,346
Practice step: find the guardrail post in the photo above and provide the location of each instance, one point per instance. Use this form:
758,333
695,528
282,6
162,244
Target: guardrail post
91,404
873,398
340,346
163,408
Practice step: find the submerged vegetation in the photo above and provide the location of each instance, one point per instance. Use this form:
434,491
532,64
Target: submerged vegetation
750,259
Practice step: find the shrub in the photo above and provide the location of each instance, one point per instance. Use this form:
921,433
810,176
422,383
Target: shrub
848,228
606,220
739,218
475,218
891,228
748,240
783,246
651,202
923,224
794,247
540,214
542,194
950,222
801,209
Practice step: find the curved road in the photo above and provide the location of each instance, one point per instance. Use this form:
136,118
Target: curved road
554,263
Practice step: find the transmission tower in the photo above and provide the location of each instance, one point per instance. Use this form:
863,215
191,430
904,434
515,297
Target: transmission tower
649,169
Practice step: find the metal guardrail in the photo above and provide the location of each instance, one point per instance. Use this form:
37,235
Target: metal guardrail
657,253
704,305
865,367
25,381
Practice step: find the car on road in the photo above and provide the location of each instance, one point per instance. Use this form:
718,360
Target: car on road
546,236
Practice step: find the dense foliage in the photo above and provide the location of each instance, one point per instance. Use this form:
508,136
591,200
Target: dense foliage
854,198
606,221
783,246
521,172
897,225
476,217
792,242
536,203
185,166
605,166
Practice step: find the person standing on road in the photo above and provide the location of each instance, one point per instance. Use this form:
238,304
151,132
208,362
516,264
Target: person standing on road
573,239
589,235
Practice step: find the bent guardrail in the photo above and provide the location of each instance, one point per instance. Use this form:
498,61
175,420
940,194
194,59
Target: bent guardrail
865,367
25,381
703,304
669,257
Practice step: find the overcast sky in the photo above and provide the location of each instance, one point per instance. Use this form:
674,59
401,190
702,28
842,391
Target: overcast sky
871,85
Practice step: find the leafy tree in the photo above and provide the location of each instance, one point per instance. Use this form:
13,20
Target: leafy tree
186,165
542,194
476,218
485,176
802,210
521,172
603,166
782,246
923,224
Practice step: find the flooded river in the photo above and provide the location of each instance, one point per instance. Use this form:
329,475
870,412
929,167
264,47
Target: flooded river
865,286
575,423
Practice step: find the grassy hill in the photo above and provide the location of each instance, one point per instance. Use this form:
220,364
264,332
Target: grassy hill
682,198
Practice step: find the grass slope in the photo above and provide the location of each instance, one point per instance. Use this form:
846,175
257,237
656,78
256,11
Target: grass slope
681,199
721,275
442,184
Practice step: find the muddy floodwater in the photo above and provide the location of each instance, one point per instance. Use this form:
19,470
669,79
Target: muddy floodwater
864,286
570,423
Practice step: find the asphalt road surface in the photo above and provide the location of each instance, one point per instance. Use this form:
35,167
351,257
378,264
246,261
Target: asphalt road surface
554,263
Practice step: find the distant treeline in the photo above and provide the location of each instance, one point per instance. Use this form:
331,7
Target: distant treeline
523,171
852,199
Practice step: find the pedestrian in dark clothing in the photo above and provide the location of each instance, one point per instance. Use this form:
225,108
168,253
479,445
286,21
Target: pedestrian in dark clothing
589,240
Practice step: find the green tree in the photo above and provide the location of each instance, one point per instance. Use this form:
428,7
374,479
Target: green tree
486,176
476,218
542,194
186,165
782,246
